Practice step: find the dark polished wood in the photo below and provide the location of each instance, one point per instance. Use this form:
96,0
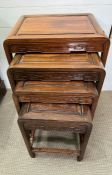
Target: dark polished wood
2,89
56,74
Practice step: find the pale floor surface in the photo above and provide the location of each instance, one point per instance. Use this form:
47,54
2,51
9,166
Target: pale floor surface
14,158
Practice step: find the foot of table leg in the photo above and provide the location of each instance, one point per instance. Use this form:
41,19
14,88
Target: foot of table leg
83,142
26,138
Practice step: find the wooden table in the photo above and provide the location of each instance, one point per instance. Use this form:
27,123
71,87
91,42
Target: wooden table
56,75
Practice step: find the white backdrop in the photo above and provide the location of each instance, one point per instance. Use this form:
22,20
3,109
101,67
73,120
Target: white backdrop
11,10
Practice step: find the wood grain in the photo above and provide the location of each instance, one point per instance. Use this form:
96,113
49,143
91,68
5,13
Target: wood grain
56,67
56,74
55,116
56,92
56,34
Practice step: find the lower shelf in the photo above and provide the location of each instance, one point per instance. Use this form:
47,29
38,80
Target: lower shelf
57,150
55,142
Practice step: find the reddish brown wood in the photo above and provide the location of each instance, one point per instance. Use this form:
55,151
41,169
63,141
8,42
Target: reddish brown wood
16,102
57,67
56,75
56,92
57,150
61,34
55,112
63,62
26,137
62,67
76,118
83,141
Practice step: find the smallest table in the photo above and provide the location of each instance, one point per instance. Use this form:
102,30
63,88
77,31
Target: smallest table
61,117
